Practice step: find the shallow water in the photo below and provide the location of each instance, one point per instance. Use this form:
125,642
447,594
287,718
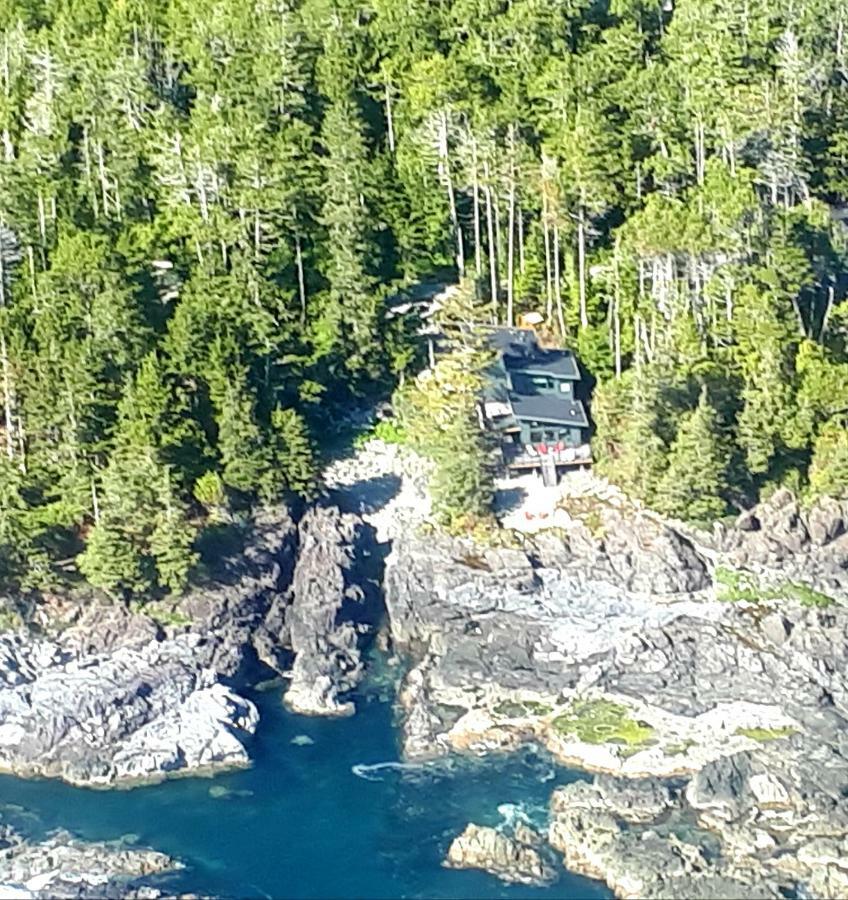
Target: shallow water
314,819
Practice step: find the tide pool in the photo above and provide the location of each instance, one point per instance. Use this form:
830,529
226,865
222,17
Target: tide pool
319,815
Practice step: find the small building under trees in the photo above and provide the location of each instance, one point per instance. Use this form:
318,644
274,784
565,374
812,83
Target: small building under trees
534,400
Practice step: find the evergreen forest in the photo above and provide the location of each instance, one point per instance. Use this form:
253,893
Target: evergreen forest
204,205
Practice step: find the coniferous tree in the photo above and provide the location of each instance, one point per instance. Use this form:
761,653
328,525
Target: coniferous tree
202,206
695,480
829,467
294,467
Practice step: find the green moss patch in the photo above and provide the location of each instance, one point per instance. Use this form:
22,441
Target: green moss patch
602,722
734,586
10,619
808,596
767,734
587,511
522,709
679,749
161,614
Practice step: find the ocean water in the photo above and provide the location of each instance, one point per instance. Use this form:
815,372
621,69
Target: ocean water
317,818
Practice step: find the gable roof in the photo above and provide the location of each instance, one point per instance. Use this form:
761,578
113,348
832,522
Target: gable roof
541,408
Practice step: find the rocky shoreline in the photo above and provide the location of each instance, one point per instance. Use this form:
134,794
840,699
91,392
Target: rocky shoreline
107,696
702,676
711,697
61,866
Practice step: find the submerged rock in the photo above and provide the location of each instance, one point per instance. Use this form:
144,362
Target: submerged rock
516,859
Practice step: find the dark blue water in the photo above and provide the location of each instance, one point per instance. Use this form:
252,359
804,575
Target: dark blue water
301,823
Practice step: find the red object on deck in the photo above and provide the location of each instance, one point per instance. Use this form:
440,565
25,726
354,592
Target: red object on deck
560,446
543,448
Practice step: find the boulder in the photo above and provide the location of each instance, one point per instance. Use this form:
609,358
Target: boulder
787,543
826,521
643,861
516,860
631,550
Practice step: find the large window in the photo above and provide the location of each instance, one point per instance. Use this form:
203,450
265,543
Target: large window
533,384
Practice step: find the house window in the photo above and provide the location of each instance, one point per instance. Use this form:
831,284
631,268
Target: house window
541,381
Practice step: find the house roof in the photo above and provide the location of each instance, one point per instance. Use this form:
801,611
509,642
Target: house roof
521,352
541,408
560,363
512,341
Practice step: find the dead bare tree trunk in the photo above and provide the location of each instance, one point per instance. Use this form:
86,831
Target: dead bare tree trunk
301,280
8,402
490,228
581,267
390,127
522,258
446,172
557,285
510,253
826,316
478,250
549,293
617,312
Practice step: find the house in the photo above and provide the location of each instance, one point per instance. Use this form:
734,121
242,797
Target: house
534,399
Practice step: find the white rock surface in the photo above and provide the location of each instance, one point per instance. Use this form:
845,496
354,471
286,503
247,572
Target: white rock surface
139,713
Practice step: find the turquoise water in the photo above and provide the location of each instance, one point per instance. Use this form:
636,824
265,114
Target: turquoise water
302,823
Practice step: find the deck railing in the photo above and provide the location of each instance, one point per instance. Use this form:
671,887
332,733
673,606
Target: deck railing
522,457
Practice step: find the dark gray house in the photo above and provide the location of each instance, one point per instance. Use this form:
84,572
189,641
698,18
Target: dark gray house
533,399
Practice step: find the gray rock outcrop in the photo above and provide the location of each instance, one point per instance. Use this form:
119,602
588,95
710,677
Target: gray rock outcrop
61,866
516,859
327,661
632,550
108,695
764,823
781,539
721,727
138,713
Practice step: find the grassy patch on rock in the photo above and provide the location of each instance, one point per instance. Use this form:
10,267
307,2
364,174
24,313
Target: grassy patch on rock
679,749
386,430
767,734
734,586
161,614
522,709
586,510
602,722
10,619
